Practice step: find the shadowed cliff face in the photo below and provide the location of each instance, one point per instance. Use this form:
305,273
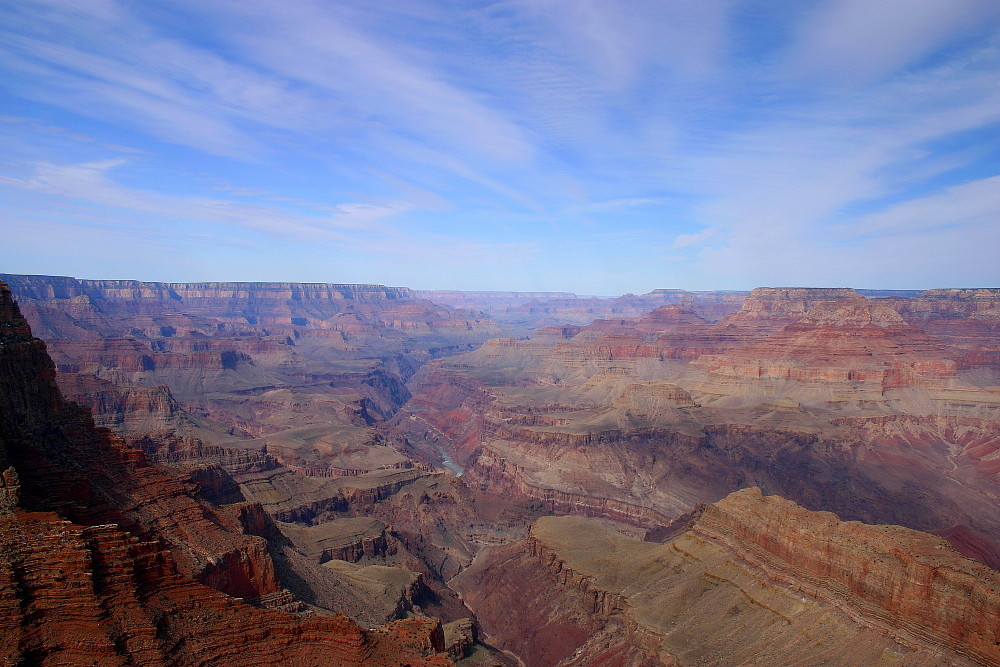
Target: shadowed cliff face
754,579
99,551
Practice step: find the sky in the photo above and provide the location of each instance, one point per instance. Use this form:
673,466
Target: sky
592,146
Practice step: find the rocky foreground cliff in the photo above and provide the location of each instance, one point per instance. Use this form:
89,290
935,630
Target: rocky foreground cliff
100,552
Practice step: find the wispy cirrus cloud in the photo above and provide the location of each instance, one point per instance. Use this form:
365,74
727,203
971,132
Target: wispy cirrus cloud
856,42
699,238
537,129
974,205
100,204
92,183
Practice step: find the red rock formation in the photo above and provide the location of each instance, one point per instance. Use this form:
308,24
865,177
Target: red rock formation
823,396
967,319
768,309
243,360
908,583
938,305
754,579
561,628
98,550
129,409
854,342
123,304
448,410
95,594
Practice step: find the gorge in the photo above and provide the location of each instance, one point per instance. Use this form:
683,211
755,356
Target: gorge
359,474
499,333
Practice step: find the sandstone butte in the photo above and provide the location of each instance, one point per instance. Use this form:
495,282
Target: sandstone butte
753,580
96,546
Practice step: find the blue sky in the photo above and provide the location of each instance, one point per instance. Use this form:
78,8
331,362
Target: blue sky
592,146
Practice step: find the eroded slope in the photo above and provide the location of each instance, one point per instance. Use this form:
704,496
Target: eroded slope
755,580
99,552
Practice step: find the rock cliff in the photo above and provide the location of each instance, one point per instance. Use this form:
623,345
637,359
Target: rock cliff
850,345
100,551
966,319
239,361
910,584
755,579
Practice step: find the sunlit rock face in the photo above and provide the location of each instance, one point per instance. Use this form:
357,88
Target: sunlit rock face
752,579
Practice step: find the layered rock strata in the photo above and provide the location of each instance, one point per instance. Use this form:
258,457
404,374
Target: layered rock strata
825,396
255,363
533,310
99,551
907,583
755,579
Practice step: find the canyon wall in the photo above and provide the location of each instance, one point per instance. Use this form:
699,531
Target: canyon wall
754,579
833,399
532,310
101,551
908,583
355,448
251,363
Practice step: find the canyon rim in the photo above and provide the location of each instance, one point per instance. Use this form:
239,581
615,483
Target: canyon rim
500,333
354,474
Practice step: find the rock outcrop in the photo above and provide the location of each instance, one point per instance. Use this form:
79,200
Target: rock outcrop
850,345
907,583
100,551
965,319
754,579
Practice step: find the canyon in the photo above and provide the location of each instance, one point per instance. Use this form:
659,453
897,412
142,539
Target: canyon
360,474
109,560
825,397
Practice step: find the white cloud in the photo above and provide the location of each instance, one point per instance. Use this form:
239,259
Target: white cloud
975,203
370,80
696,239
91,183
857,41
